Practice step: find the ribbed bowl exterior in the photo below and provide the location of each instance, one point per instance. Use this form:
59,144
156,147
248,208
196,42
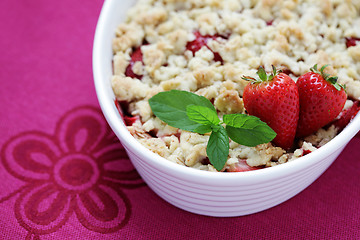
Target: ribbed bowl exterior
226,200
206,193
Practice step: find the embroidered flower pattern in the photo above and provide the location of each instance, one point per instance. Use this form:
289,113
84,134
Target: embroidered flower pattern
79,171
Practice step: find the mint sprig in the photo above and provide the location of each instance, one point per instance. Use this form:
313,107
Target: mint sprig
194,113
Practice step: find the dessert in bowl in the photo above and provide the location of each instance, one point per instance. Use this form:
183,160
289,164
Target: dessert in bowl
156,46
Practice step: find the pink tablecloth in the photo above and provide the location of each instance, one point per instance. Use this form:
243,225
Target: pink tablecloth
52,132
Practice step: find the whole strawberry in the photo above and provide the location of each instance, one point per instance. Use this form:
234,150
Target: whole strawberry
275,100
321,100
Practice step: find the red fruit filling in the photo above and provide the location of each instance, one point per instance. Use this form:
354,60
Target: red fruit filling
351,41
129,121
205,161
242,166
136,56
117,104
347,115
153,133
201,41
306,151
123,108
269,23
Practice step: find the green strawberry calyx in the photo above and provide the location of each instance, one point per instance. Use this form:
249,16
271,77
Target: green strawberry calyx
333,80
263,76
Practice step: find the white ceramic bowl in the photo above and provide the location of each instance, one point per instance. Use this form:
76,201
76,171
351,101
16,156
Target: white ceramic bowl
206,193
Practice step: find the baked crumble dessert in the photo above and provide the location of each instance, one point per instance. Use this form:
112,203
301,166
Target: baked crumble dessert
207,46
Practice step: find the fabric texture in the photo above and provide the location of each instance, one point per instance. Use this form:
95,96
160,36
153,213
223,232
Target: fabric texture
52,132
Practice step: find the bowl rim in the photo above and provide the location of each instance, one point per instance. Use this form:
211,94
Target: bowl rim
130,143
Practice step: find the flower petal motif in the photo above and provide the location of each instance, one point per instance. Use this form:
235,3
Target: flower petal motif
30,156
117,168
42,209
81,130
103,209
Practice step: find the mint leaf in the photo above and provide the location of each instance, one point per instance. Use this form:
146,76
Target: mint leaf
203,129
217,148
261,133
170,107
202,115
242,121
248,130
216,128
